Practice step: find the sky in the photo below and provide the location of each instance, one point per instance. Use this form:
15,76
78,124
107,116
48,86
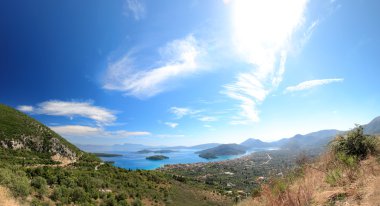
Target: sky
189,72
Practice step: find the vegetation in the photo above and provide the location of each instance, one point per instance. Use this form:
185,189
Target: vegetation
222,150
99,154
355,144
157,157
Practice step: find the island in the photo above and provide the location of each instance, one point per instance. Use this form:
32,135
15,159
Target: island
99,154
162,151
222,150
144,151
157,157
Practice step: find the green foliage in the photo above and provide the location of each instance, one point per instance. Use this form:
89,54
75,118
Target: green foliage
348,160
355,143
137,202
40,184
333,177
16,181
279,186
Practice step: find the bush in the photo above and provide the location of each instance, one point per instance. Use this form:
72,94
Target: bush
355,143
17,182
333,177
40,184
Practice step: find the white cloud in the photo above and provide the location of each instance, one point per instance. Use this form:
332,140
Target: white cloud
311,84
135,8
207,119
71,109
179,59
180,112
25,108
87,131
262,37
171,124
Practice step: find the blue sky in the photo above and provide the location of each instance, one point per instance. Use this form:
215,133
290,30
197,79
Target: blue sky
190,72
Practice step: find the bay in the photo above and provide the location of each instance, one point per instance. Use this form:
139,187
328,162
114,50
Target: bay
135,160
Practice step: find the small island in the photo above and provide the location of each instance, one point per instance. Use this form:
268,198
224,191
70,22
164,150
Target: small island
162,151
144,151
99,154
157,157
208,156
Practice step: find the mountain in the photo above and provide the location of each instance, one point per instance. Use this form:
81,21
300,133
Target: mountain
255,143
221,150
373,127
317,139
204,146
21,132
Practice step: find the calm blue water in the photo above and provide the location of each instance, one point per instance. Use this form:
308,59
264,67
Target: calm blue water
134,160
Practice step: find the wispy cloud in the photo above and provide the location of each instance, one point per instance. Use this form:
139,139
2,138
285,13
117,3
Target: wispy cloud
207,119
262,37
75,131
136,8
171,124
180,112
179,58
25,108
311,84
72,109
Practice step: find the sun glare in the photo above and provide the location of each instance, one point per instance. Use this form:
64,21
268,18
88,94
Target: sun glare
263,28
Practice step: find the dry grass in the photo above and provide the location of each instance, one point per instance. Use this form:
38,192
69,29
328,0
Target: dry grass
6,198
356,186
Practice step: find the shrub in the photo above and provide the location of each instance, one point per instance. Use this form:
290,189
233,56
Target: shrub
333,177
355,143
17,182
137,202
40,184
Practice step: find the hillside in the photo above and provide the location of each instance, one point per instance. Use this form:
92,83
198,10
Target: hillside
31,172
221,150
20,132
348,173
373,127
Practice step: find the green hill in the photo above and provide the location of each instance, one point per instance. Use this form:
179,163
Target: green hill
21,132
221,150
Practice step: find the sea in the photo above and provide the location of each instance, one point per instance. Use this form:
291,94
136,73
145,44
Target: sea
135,160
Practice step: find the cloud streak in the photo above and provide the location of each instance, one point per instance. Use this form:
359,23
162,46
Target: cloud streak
72,109
180,112
171,124
179,58
311,84
79,131
135,8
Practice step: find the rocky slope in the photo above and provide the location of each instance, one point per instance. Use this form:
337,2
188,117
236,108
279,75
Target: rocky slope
18,131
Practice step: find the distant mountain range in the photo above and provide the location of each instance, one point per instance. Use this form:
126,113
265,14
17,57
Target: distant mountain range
315,140
138,147
312,140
